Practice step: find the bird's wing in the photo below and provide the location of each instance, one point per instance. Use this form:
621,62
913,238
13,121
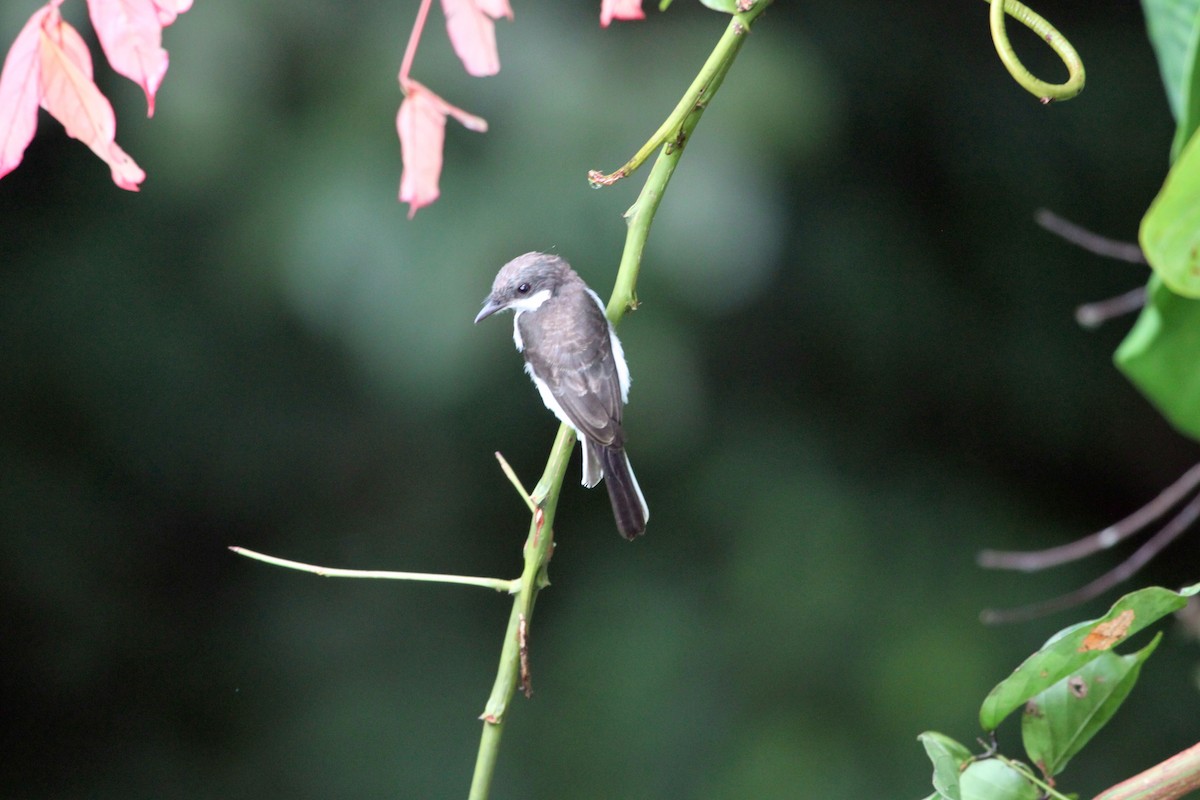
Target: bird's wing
578,367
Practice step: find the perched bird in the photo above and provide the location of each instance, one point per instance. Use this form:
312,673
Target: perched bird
578,366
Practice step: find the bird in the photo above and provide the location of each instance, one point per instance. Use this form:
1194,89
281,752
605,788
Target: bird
578,366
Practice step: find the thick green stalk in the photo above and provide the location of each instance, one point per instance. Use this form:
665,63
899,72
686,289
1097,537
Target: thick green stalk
539,545
1179,775
673,137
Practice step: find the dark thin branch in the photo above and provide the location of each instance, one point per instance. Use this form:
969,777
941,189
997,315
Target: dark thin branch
1032,561
1093,315
1123,572
1092,242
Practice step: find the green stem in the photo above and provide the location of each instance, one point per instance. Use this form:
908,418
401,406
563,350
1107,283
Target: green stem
641,213
538,547
539,544
1046,92
1047,790
703,87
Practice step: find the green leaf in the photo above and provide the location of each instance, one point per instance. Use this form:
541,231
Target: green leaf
992,779
1061,720
1071,648
1159,356
726,6
1170,230
948,757
1174,28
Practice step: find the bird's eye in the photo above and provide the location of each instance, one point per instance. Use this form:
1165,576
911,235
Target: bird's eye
523,288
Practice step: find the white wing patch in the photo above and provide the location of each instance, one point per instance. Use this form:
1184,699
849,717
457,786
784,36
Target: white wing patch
550,402
618,351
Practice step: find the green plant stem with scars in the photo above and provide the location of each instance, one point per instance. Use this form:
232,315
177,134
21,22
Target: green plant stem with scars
691,105
1176,777
1044,91
539,546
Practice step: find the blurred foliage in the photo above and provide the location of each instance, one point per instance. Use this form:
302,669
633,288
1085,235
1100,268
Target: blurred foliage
853,367
1174,28
1158,355
1067,692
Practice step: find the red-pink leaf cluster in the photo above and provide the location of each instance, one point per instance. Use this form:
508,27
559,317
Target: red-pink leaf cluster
130,32
421,121
49,65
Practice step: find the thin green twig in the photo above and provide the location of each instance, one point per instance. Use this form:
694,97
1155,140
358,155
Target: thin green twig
498,584
1047,789
1046,92
507,469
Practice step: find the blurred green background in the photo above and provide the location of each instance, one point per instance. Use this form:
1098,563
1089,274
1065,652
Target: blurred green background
855,366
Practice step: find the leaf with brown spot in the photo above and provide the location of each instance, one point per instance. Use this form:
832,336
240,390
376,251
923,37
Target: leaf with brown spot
1077,707
1069,650
1108,633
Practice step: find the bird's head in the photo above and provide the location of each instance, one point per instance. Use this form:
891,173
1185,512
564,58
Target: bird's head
524,283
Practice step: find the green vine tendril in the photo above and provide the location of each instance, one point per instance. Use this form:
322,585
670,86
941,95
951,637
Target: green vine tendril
1046,92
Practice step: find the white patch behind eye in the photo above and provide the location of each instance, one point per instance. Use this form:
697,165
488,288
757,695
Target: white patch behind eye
531,303
519,307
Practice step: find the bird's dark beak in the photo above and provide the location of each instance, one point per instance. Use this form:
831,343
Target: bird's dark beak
489,307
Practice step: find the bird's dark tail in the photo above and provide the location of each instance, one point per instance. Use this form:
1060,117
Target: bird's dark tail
629,506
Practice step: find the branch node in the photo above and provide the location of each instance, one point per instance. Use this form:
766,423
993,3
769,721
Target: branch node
507,469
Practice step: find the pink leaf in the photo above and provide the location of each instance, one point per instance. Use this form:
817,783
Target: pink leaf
495,8
19,93
68,93
473,34
421,124
467,120
620,9
130,32
168,10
